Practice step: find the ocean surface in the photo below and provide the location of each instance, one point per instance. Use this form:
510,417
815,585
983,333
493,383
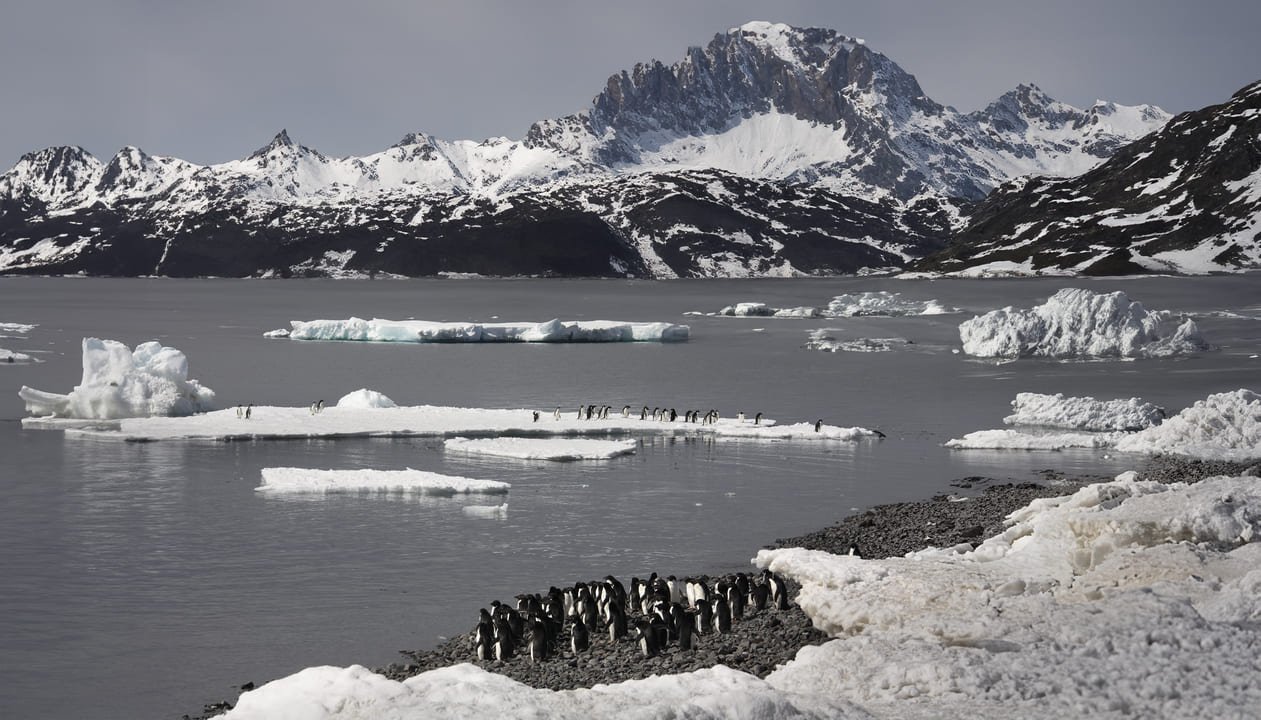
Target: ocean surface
141,580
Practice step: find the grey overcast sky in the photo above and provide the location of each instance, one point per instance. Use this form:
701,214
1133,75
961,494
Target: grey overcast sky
211,80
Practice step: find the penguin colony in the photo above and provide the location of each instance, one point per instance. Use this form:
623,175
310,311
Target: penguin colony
656,614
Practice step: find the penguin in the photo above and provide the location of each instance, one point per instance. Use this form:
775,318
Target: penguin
656,413
740,416
249,410
757,419
636,591
678,618
735,601
779,591
626,411
504,639
673,415
853,550
759,594
312,408
617,622
742,584
590,411
556,413
604,413
554,608
676,589
516,624
536,640
536,416
818,425
686,625
722,616
647,638
662,629
581,640
484,637
643,414
581,408
704,617
319,407
617,588
240,412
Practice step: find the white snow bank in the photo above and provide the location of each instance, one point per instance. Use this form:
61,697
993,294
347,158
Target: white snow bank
290,480
1077,323
1125,599
757,309
150,381
272,422
466,692
1225,426
423,331
822,340
883,303
1028,440
12,356
543,448
365,399
1083,413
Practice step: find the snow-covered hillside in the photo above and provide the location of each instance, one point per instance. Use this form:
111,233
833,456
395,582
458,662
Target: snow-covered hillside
878,171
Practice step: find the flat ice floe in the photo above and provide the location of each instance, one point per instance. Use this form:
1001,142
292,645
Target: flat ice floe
1079,324
13,357
272,422
486,512
303,481
1126,599
20,328
424,331
1083,413
562,449
757,309
822,339
1223,426
117,382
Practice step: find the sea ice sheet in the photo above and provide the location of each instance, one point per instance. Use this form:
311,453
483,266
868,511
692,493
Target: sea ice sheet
424,331
543,448
1077,323
293,481
117,383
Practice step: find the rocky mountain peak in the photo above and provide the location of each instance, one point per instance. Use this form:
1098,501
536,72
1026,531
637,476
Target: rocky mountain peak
280,142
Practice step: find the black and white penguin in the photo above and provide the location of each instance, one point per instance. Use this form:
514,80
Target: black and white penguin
249,410
626,411
722,615
686,625
662,629
735,601
604,415
656,413
504,641
617,621
647,638
536,416
581,410
759,593
581,640
556,413
312,408
484,637
590,411
704,617
617,588
757,419
319,407
673,415
818,425
536,640
676,589
779,591
240,412
643,414
636,592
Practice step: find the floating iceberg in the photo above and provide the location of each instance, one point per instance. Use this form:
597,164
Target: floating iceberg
1083,413
798,431
290,480
423,331
11,357
19,328
1126,599
150,381
883,303
563,449
1225,426
1077,323
486,512
757,309
365,399
822,340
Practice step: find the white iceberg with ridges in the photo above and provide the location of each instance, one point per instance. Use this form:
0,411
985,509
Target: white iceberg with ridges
1225,426
424,331
1079,324
151,381
883,303
1083,413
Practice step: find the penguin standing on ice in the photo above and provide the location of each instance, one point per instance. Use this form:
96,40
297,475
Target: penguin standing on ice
556,413
240,412
319,407
643,414
249,410
626,411
757,419
818,425
536,416
740,416
581,408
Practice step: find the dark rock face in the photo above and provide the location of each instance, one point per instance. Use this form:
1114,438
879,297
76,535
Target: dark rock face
771,151
1184,199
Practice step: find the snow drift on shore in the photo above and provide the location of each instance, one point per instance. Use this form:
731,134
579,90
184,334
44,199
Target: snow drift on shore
1083,413
1223,426
290,480
1125,599
1076,323
117,383
562,449
424,331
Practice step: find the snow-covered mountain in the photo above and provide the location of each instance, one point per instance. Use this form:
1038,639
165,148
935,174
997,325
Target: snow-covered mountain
1184,200
770,151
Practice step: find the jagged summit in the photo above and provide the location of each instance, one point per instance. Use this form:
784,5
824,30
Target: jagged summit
761,111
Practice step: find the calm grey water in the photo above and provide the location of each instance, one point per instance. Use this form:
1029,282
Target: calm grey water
142,580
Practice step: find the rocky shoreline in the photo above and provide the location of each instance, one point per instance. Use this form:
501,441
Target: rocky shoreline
764,640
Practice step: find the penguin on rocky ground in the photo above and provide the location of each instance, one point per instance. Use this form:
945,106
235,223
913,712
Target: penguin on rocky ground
484,636
662,628
704,617
536,641
735,601
647,638
581,640
686,624
759,594
722,616
617,621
